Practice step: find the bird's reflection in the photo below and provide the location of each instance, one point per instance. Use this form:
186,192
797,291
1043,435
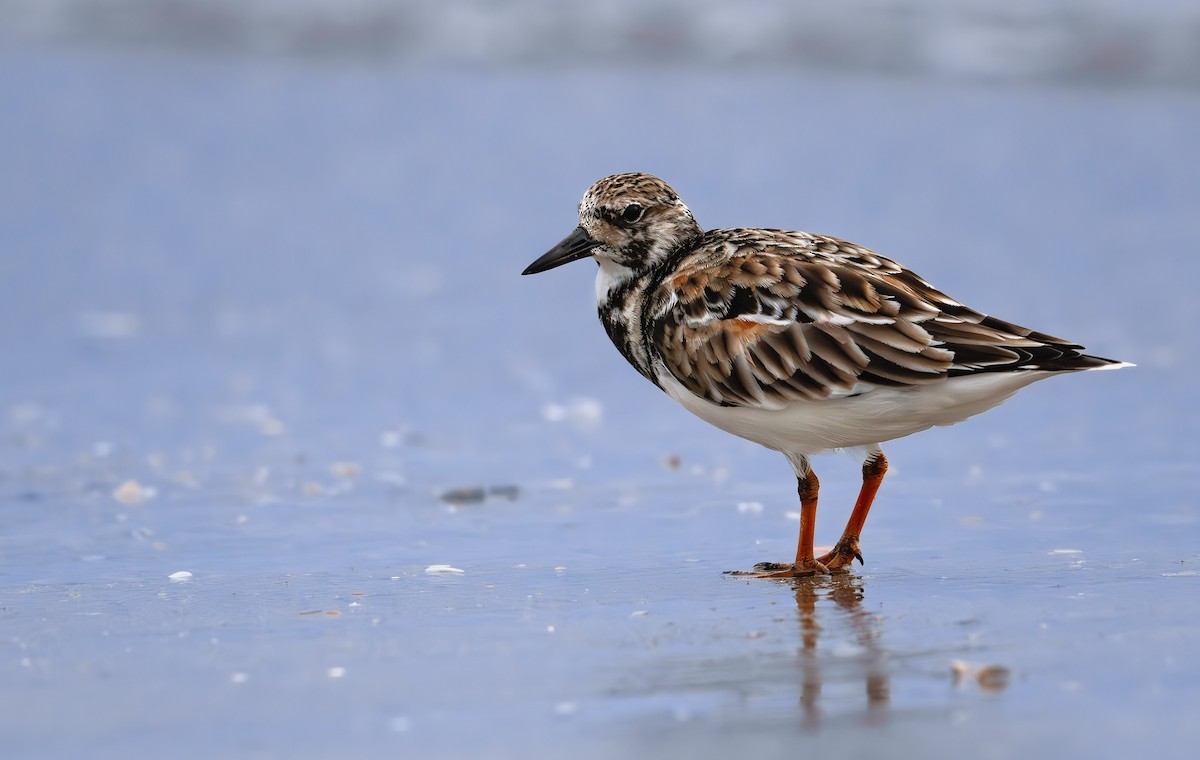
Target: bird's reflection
846,591
803,670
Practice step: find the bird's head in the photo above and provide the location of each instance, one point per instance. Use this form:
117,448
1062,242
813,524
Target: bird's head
632,220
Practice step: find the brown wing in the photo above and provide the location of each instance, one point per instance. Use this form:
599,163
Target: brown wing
764,317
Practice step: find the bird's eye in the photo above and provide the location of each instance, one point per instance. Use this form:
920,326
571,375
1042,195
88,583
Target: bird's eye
632,213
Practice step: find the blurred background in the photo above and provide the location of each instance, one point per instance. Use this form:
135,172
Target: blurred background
231,217
1100,41
263,319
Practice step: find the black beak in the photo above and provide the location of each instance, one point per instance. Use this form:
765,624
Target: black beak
573,247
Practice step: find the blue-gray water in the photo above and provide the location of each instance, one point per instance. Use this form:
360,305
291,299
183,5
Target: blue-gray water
259,317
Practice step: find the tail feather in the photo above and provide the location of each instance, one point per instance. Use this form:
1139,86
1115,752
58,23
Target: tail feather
1045,358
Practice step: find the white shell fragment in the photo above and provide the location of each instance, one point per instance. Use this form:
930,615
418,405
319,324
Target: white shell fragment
987,677
580,412
132,493
182,575
444,570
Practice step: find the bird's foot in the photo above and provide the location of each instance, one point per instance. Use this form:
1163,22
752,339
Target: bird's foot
784,570
842,556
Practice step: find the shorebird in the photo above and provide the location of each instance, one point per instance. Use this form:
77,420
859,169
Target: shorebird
803,343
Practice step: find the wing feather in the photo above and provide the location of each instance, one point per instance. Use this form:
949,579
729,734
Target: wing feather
765,317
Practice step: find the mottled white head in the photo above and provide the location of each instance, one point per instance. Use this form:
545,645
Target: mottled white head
629,221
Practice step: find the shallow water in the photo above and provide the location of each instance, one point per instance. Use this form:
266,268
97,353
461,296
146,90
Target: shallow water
263,325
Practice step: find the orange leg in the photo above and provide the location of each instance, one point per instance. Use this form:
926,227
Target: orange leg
807,486
846,550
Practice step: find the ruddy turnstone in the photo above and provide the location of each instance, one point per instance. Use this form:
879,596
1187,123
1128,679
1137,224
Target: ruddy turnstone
800,342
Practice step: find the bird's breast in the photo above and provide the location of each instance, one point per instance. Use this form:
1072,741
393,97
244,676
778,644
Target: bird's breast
620,297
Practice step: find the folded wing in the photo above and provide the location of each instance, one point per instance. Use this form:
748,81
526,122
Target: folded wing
776,316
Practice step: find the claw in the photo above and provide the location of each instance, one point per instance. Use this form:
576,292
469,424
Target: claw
858,556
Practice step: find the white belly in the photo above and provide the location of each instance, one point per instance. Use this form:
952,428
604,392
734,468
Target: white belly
878,415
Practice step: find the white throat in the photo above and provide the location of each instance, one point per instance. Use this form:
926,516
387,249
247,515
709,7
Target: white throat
610,276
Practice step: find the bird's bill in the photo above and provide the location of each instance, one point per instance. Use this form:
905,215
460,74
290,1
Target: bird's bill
573,247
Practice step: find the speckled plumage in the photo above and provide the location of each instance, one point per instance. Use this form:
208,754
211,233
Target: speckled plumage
800,342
